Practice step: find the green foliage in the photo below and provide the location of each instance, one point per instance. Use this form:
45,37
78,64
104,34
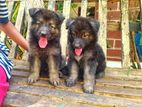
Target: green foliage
15,11
60,6
73,5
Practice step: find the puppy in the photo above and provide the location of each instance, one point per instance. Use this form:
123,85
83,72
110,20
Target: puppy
45,49
86,57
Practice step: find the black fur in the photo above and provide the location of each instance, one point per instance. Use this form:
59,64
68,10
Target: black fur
45,23
90,64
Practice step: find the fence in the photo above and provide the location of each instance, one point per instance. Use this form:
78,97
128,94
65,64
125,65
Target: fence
23,19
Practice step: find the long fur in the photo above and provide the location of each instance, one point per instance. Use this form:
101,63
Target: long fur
82,33
45,23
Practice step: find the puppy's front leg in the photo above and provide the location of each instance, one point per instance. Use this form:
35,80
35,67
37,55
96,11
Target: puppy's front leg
73,74
89,76
53,71
35,69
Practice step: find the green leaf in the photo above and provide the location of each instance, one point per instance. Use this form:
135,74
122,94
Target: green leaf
73,5
141,41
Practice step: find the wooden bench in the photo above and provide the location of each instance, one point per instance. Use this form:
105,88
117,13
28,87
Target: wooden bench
120,87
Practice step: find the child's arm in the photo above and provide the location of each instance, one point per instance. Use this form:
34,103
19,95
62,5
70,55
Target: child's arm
12,32
9,28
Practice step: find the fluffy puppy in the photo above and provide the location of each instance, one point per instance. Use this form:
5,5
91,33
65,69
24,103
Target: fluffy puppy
86,57
45,49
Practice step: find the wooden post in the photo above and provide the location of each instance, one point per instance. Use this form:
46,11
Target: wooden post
18,25
66,13
103,25
125,34
51,5
32,4
28,19
37,3
84,8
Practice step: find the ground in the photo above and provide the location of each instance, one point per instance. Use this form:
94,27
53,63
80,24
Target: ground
119,88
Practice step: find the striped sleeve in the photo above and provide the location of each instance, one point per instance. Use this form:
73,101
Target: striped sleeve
6,64
3,12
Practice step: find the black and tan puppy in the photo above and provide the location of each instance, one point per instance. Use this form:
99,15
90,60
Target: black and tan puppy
45,49
86,57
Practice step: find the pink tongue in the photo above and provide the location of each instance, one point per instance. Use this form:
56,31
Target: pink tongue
42,42
78,51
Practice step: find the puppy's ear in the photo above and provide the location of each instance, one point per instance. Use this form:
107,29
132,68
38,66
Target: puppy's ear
69,22
33,11
95,25
60,16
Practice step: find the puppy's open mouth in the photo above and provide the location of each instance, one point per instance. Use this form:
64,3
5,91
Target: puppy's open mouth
78,51
43,41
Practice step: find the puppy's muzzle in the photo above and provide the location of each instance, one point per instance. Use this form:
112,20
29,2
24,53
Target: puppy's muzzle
44,30
78,43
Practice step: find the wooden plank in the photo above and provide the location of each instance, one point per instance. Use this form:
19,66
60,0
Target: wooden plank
63,40
28,19
2,36
109,92
32,4
125,34
25,54
103,86
84,7
51,4
10,8
103,24
16,99
123,74
118,78
20,73
77,97
18,25
107,81
37,3
23,68
118,83
21,100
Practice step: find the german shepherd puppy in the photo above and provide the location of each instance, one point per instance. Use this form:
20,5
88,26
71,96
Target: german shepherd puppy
45,49
86,57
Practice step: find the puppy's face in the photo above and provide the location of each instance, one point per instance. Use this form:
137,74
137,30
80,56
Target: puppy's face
82,32
45,25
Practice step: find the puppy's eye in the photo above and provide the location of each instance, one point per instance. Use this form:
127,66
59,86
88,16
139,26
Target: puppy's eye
85,36
38,22
53,26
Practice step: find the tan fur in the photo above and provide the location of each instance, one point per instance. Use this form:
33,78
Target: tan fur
35,69
53,71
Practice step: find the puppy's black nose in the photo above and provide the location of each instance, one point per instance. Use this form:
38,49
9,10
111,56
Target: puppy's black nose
77,45
44,30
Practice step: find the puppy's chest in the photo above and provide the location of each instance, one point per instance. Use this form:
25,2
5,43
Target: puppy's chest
78,58
83,57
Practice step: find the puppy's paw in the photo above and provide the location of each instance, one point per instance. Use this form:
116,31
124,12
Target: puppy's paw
54,80
70,82
88,88
33,78
100,75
